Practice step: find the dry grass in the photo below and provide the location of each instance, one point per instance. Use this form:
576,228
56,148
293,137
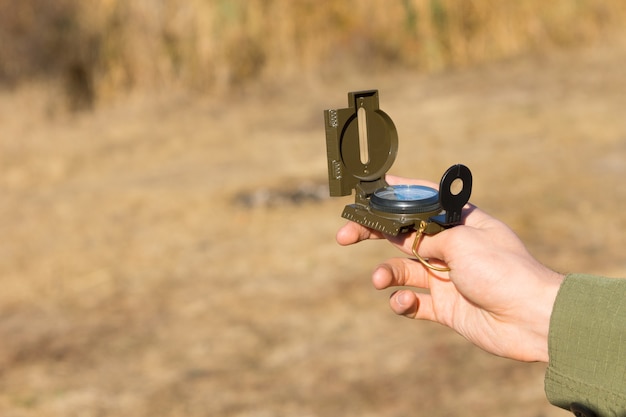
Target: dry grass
103,48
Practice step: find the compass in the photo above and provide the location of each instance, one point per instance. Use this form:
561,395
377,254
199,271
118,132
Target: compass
362,144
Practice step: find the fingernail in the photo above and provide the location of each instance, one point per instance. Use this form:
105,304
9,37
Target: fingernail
403,298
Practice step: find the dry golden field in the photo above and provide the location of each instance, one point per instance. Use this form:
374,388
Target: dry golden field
100,49
173,254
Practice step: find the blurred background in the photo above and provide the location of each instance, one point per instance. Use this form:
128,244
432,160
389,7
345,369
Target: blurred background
167,236
98,49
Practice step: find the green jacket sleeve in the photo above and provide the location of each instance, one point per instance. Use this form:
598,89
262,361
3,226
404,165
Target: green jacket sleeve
587,345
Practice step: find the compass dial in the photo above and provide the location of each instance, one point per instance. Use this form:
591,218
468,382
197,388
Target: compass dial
405,199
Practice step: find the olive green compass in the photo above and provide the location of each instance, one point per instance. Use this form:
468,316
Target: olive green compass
362,144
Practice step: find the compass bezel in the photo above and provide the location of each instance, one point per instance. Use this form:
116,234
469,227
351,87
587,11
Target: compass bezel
405,199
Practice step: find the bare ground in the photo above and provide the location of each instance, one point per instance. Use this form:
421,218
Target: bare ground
173,256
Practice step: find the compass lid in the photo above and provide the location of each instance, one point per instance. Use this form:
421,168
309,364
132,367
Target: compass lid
361,143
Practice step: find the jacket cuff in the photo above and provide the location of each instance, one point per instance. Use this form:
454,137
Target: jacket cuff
587,345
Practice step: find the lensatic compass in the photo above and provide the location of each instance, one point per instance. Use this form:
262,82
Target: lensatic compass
362,144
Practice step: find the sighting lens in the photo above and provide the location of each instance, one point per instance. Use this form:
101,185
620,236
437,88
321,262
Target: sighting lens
405,199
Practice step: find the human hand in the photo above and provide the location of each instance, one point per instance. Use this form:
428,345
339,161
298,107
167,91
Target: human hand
496,294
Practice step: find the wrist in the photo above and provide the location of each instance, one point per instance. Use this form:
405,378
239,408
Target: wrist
544,307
